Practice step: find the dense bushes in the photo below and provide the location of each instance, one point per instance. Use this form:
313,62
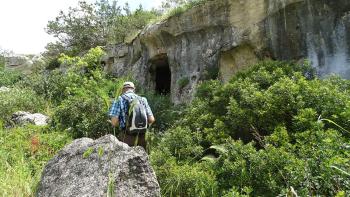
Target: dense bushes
273,129
18,99
82,95
282,110
8,77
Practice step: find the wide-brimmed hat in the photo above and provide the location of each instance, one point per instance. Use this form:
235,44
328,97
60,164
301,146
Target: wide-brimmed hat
129,84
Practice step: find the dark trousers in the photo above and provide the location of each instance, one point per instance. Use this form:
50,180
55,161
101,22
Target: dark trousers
133,140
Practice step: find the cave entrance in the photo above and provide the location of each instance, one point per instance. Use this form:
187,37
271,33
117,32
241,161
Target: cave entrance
161,74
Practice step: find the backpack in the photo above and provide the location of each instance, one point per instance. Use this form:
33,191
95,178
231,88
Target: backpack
136,117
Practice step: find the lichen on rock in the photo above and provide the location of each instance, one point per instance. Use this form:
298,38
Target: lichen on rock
97,168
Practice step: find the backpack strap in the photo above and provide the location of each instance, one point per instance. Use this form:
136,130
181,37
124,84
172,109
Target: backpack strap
126,98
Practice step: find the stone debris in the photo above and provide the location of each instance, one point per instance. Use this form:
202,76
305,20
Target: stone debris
21,118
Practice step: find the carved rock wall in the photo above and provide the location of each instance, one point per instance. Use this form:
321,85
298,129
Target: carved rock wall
222,37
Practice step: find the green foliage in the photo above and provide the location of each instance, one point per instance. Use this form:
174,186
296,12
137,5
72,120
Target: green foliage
294,127
111,185
183,82
165,112
90,25
3,55
8,77
2,62
18,99
84,115
187,180
23,155
100,151
88,152
129,25
177,7
83,96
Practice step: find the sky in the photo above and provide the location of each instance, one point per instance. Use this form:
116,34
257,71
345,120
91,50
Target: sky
22,22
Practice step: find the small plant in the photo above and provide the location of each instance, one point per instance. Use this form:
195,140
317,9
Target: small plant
183,82
9,77
111,185
88,152
100,151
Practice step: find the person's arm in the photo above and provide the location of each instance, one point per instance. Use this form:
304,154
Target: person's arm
151,119
114,112
115,121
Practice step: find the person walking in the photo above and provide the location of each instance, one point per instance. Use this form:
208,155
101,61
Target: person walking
133,115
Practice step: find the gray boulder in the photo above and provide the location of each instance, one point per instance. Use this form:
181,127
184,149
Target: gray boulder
22,118
104,167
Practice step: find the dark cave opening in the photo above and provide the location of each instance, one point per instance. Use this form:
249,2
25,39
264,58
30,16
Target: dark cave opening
161,74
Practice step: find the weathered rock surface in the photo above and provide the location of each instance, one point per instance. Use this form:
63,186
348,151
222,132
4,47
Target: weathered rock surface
22,118
222,37
93,168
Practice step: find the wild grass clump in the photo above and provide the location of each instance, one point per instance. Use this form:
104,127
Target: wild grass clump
23,154
9,77
19,99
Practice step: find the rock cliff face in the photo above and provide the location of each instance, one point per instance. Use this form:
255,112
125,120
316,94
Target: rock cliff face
221,37
104,167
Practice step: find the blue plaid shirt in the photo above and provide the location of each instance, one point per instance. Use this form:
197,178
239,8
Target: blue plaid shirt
120,105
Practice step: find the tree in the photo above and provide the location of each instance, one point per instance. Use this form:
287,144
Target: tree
83,27
91,25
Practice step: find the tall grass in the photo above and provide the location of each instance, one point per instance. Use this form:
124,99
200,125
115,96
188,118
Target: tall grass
23,154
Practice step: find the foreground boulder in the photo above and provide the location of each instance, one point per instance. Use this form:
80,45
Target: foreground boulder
22,118
99,168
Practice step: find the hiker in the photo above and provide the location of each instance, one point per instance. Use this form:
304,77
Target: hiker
135,124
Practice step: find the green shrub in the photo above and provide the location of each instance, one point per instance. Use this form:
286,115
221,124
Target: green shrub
18,99
280,110
9,78
187,180
179,9
84,116
183,82
164,111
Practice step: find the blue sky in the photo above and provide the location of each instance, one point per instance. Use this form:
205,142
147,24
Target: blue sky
22,22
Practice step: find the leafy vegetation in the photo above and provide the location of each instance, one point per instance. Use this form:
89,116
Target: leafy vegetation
273,130
260,135
176,7
183,82
23,154
90,25
8,77
19,100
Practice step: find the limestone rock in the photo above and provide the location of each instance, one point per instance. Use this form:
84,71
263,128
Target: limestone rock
4,89
221,37
94,168
22,117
